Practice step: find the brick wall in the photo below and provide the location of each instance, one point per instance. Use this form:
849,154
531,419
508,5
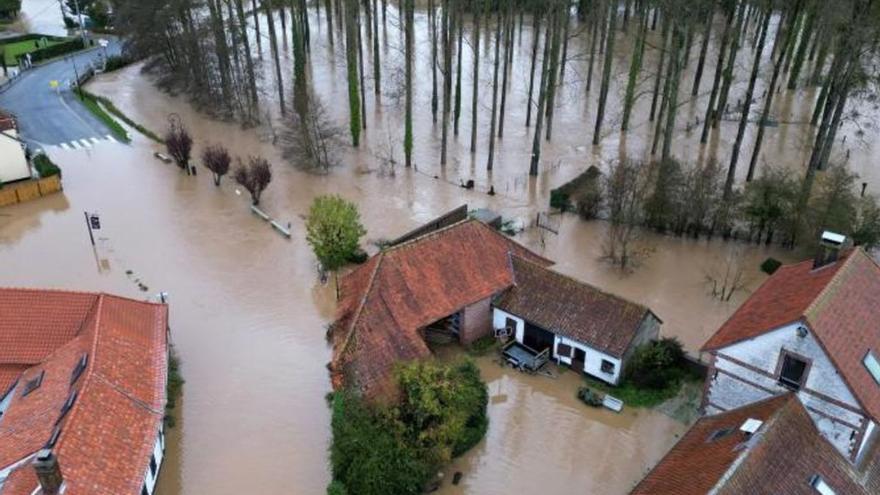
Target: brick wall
476,321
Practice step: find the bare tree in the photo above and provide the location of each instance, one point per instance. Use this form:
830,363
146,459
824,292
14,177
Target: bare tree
312,138
179,143
727,277
626,189
255,176
216,159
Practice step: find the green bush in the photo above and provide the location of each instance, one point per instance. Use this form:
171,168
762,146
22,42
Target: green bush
770,265
560,200
45,167
116,62
358,257
656,365
57,50
174,387
583,193
336,488
588,397
441,413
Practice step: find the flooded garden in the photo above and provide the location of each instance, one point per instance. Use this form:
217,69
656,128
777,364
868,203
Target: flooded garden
249,312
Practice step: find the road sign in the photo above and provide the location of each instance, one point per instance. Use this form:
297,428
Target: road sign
53,84
95,221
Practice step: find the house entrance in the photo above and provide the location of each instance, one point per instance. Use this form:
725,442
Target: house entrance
579,359
537,338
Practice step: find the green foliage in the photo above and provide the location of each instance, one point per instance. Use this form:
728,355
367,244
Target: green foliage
589,397
45,167
334,229
769,202
560,200
173,387
770,265
15,47
108,104
9,8
661,208
116,62
483,345
656,364
368,455
379,450
57,50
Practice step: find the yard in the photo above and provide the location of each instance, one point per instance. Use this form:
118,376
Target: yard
11,51
542,438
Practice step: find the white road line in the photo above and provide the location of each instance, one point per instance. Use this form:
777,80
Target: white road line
85,143
75,145
111,139
65,146
95,140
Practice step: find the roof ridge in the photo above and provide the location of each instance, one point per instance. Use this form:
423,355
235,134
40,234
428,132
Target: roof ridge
367,289
580,282
426,235
53,290
87,373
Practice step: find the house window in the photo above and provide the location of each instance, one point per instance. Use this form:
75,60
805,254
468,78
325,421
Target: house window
563,350
79,368
793,373
33,384
873,365
607,367
153,465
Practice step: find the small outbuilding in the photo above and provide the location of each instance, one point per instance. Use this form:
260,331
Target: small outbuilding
13,162
582,326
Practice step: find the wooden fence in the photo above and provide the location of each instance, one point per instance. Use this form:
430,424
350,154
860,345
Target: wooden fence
20,192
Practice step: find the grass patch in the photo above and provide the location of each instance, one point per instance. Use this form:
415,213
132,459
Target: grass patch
91,102
11,51
108,104
635,396
483,345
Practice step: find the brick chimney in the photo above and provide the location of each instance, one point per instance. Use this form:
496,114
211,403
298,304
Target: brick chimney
830,247
48,472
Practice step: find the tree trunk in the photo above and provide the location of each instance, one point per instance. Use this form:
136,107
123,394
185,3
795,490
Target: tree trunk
249,61
457,110
665,40
408,124
747,105
719,69
594,37
539,115
448,32
432,20
806,36
606,78
377,63
536,34
491,157
351,58
256,13
554,71
508,51
476,79
273,43
704,47
676,65
729,69
635,69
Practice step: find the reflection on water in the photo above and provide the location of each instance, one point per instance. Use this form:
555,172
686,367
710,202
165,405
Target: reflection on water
248,313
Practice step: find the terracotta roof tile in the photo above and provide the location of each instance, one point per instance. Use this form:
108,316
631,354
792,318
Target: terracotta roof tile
387,300
107,436
566,306
782,457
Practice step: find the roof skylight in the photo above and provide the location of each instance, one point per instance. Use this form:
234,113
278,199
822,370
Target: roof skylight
873,366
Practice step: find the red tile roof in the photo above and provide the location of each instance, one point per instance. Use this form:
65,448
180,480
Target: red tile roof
107,436
781,457
839,302
387,300
566,306
6,121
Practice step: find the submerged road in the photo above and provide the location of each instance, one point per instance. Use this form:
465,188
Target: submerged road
55,117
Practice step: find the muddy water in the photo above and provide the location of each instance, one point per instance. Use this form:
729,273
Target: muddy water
542,439
248,314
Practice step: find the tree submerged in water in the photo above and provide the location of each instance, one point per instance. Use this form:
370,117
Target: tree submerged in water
334,230
217,160
255,176
179,143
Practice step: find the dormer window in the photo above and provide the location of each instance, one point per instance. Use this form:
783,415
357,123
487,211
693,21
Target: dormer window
33,384
793,373
821,486
873,366
67,405
79,368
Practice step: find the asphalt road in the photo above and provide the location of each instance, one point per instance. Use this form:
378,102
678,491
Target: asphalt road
55,117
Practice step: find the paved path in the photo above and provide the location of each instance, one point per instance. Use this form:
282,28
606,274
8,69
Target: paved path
50,117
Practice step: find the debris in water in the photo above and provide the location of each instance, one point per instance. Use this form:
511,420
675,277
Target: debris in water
456,477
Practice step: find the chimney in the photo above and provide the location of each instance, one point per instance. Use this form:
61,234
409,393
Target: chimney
48,472
830,246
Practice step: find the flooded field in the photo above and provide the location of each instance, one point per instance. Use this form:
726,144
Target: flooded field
248,314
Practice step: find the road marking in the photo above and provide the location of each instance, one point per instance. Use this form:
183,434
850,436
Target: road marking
85,143
95,140
75,145
65,146
111,139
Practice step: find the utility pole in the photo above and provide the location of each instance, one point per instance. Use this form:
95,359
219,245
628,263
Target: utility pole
82,28
89,226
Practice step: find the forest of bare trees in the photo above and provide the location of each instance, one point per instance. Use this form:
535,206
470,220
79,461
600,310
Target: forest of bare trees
742,55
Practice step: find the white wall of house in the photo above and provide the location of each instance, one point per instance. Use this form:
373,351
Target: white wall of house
13,165
152,473
734,385
593,362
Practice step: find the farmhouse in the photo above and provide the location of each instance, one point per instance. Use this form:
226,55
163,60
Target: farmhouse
465,280
82,393
811,329
13,164
771,446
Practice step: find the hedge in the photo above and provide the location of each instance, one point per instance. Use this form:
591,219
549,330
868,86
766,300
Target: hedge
57,50
45,167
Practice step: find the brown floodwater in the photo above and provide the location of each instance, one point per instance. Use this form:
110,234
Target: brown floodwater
248,313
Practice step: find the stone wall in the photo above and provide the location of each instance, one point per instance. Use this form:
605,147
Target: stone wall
476,321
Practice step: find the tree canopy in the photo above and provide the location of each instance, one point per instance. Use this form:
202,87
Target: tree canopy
334,229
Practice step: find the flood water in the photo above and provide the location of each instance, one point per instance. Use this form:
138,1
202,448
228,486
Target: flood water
248,314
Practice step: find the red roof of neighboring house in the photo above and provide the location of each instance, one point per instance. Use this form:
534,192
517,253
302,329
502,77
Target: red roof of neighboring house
783,456
840,303
571,308
107,436
7,122
402,289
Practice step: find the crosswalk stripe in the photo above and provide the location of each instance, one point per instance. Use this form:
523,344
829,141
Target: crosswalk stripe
111,138
95,140
75,145
85,143
65,146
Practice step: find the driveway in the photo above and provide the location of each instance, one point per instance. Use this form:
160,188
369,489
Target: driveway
55,117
